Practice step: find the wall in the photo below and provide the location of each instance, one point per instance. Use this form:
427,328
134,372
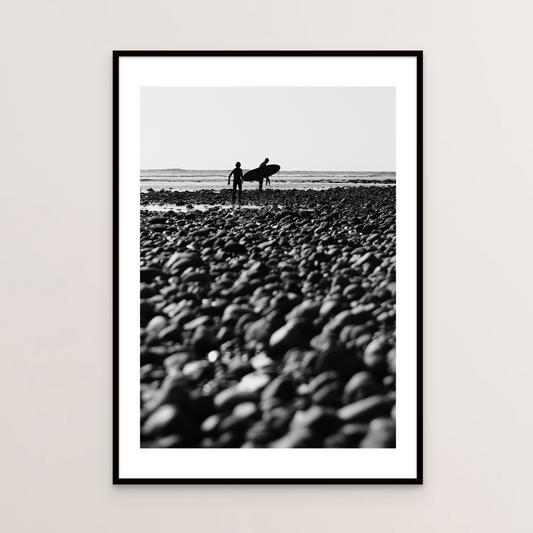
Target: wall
55,213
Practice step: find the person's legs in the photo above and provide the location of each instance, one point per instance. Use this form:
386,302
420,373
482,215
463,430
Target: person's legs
233,194
260,184
240,192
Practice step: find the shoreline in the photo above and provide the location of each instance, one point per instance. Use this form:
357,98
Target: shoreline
169,197
220,185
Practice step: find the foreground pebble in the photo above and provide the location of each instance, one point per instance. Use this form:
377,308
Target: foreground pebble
269,327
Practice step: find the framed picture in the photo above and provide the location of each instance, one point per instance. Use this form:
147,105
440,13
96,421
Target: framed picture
267,267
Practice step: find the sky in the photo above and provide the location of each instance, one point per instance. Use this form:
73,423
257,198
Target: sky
298,128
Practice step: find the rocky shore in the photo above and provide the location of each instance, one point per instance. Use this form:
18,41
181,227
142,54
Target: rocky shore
272,326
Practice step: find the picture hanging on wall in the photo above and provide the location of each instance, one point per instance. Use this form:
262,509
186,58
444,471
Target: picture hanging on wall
267,267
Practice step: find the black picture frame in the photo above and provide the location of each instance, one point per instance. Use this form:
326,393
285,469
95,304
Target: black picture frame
418,480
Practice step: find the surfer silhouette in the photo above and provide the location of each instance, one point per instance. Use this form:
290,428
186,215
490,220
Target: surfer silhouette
237,181
264,176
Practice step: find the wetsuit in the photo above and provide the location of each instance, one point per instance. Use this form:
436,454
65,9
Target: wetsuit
237,182
264,176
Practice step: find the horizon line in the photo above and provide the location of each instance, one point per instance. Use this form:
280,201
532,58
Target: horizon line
281,170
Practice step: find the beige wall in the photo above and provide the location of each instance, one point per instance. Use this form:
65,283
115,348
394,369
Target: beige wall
55,281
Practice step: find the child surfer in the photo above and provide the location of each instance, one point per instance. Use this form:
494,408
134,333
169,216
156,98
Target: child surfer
237,181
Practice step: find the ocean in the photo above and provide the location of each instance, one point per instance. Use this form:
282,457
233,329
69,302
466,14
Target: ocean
192,180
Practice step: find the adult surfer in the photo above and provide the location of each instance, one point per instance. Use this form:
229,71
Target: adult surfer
264,176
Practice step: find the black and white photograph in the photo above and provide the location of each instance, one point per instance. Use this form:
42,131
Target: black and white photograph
266,233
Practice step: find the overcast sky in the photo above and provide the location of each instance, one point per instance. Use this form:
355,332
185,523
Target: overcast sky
299,128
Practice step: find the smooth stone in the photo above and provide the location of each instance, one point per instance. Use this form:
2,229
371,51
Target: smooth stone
261,330
174,392
239,368
157,324
328,395
170,333
344,318
380,345
147,291
152,354
235,247
361,314
183,318
381,434
147,310
324,340
308,309
246,410
262,361
338,440
361,385
225,334
259,433
280,387
232,313
376,362
198,405
203,341
237,425
254,383
279,417
170,441
309,361
361,341
285,338
179,266
162,421
322,420
301,437
339,359
355,432
322,379
198,370
352,292
229,398
198,277
177,360
368,228
366,409
270,404
149,274
246,319
370,258
228,440
210,424
391,360
204,320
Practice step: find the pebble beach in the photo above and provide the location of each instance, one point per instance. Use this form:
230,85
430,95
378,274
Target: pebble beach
271,324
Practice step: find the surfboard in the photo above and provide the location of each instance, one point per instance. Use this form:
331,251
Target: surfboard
256,173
